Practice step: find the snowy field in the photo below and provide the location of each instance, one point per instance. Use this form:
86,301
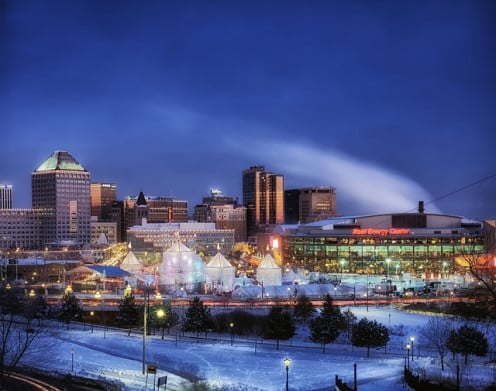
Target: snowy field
249,365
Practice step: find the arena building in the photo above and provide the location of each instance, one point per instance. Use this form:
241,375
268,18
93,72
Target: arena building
422,244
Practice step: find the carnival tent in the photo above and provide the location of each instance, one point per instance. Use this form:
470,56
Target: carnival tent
269,273
181,268
220,274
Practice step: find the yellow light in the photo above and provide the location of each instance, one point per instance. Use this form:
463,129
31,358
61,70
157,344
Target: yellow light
287,361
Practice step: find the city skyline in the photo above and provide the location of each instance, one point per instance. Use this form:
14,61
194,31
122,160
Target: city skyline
389,103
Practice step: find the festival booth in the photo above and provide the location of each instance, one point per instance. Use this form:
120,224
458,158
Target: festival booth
220,274
133,266
181,269
269,273
95,278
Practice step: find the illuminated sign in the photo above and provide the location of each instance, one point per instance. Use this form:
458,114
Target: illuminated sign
380,232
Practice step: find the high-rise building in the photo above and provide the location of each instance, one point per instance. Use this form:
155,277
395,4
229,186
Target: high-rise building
225,212
263,197
309,204
102,197
61,188
5,196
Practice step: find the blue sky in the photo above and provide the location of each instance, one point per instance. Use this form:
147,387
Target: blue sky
390,102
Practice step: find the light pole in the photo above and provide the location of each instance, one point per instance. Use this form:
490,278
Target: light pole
231,325
92,314
72,360
388,287
98,296
408,347
287,361
159,313
411,340
146,294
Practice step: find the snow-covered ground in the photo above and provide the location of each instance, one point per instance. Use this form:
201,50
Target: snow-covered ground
246,365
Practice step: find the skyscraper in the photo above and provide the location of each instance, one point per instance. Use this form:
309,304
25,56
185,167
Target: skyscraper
263,196
309,204
102,197
61,193
5,196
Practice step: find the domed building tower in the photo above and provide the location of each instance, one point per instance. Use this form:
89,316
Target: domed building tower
61,195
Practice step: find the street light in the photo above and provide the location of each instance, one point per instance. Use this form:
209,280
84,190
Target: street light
92,314
99,296
146,298
231,325
287,361
411,340
72,360
388,262
408,347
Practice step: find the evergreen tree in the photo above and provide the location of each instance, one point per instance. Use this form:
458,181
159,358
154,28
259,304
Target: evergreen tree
304,308
279,324
198,318
349,319
367,333
326,327
130,313
467,340
70,309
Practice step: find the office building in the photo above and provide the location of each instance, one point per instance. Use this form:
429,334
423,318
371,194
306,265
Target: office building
263,197
309,204
20,229
225,212
5,196
202,237
61,188
102,197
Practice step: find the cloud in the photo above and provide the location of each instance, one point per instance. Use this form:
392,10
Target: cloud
361,185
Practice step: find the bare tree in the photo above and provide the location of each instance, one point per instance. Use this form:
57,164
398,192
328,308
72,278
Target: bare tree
479,259
19,327
435,333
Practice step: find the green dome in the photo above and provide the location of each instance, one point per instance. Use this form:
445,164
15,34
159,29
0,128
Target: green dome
60,160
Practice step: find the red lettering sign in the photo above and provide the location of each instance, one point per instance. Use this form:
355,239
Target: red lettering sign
380,232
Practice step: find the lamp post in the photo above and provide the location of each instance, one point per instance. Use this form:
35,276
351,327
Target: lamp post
160,313
146,295
98,296
388,262
92,314
411,340
287,361
231,325
408,347
72,360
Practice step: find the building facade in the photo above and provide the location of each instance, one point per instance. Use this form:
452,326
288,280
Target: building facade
263,197
225,212
417,243
61,188
102,197
200,237
309,204
20,229
5,196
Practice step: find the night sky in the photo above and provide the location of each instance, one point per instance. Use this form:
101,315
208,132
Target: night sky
391,102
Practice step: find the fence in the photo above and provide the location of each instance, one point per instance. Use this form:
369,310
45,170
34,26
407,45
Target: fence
419,384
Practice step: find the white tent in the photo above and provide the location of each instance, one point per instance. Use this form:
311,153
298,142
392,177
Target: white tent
220,274
269,273
181,268
131,264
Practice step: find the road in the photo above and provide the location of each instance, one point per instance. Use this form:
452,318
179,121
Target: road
37,382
